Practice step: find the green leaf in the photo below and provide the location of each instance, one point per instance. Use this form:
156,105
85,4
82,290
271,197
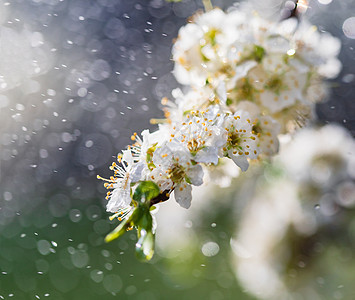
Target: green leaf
118,231
124,225
145,245
146,191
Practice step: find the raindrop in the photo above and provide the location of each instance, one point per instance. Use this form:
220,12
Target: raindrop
349,28
7,196
130,290
96,275
348,78
112,283
210,249
80,258
317,206
301,264
188,224
43,153
43,247
20,107
75,215
51,92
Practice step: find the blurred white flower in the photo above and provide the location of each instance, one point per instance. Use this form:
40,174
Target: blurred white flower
323,156
316,182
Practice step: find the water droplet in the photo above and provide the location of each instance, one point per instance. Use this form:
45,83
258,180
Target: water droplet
43,247
89,144
75,215
317,206
349,28
210,249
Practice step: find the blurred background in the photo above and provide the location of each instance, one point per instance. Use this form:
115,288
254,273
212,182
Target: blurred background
77,78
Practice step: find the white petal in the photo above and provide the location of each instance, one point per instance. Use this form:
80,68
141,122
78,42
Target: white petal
182,194
207,155
222,92
195,174
119,199
136,172
240,161
127,157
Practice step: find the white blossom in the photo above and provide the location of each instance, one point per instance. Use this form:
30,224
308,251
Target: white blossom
241,142
202,135
174,165
129,172
265,127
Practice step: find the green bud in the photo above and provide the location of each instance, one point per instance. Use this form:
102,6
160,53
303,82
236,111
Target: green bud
146,191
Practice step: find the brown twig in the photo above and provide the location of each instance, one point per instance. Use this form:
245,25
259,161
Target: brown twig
162,197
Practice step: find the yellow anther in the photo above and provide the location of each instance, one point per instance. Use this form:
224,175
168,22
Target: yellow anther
164,101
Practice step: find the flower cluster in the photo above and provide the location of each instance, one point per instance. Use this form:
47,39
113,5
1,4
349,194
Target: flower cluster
238,56
173,156
248,79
